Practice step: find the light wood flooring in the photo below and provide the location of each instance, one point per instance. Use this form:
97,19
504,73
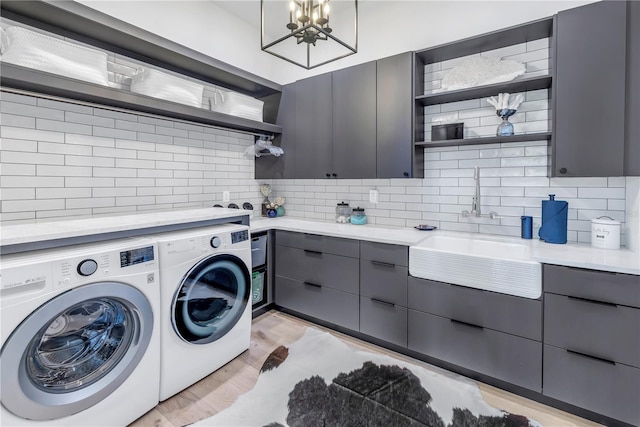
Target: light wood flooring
220,389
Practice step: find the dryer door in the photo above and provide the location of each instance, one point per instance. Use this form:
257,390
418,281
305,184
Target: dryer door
74,350
211,299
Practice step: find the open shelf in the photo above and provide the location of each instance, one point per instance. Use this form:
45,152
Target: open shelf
38,82
534,30
87,25
486,140
521,85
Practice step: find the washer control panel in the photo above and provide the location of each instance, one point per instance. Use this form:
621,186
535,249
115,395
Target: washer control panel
215,242
239,236
87,267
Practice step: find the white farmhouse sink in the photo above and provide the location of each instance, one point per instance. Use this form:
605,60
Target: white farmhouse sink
498,264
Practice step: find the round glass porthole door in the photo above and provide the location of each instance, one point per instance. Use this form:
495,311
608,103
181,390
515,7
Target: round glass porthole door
211,299
75,350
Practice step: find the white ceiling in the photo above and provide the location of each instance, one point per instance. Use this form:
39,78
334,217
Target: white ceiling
229,30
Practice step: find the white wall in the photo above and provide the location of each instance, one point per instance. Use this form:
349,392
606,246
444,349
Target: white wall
385,27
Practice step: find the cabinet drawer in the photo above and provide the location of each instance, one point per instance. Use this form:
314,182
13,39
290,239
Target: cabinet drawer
314,242
608,389
323,303
507,357
333,271
386,253
603,330
383,320
616,288
387,282
505,313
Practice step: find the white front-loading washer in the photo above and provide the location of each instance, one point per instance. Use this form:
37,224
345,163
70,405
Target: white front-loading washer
80,334
205,290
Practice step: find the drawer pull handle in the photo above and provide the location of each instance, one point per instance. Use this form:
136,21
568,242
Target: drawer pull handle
588,356
315,285
460,322
312,252
383,264
383,302
592,301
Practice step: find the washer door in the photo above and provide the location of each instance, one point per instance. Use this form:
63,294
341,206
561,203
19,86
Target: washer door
211,299
75,350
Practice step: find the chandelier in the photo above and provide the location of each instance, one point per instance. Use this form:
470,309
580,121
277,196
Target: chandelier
306,32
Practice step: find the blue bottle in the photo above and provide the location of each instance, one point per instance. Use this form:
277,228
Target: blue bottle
526,227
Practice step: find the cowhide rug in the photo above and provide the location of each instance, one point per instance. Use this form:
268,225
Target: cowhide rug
321,381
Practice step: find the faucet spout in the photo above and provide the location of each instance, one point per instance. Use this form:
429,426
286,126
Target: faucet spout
475,204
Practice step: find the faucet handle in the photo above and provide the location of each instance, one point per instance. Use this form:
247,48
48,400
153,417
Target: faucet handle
494,215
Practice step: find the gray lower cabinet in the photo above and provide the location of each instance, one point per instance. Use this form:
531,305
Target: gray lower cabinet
321,302
600,386
493,334
500,355
318,276
383,320
592,340
383,291
505,313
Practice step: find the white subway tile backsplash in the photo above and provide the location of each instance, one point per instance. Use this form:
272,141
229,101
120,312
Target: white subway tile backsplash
17,121
30,134
32,205
28,157
62,193
18,145
17,193
113,133
31,110
165,164
93,141
53,170
88,119
57,126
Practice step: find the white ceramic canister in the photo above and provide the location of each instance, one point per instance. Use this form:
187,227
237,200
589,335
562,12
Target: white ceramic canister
605,233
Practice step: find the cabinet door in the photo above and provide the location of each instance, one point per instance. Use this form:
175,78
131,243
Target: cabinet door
632,143
354,117
272,167
590,91
313,154
394,100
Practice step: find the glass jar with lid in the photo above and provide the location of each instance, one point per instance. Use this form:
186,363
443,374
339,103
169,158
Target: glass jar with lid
343,213
358,217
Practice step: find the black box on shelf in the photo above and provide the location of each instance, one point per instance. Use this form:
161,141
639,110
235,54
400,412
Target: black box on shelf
448,131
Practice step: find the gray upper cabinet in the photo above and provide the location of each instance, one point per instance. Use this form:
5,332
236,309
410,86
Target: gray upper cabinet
313,127
632,135
354,116
353,123
396,156
589,91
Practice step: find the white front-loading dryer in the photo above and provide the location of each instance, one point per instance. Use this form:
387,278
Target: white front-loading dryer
205,290
80,334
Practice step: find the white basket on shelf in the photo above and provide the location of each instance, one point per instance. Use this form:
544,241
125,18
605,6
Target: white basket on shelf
155,83
30,49
237,104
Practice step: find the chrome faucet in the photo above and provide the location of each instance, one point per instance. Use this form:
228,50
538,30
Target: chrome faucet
475,202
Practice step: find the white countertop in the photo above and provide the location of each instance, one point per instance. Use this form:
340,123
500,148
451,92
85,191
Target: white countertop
571,254
40,231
